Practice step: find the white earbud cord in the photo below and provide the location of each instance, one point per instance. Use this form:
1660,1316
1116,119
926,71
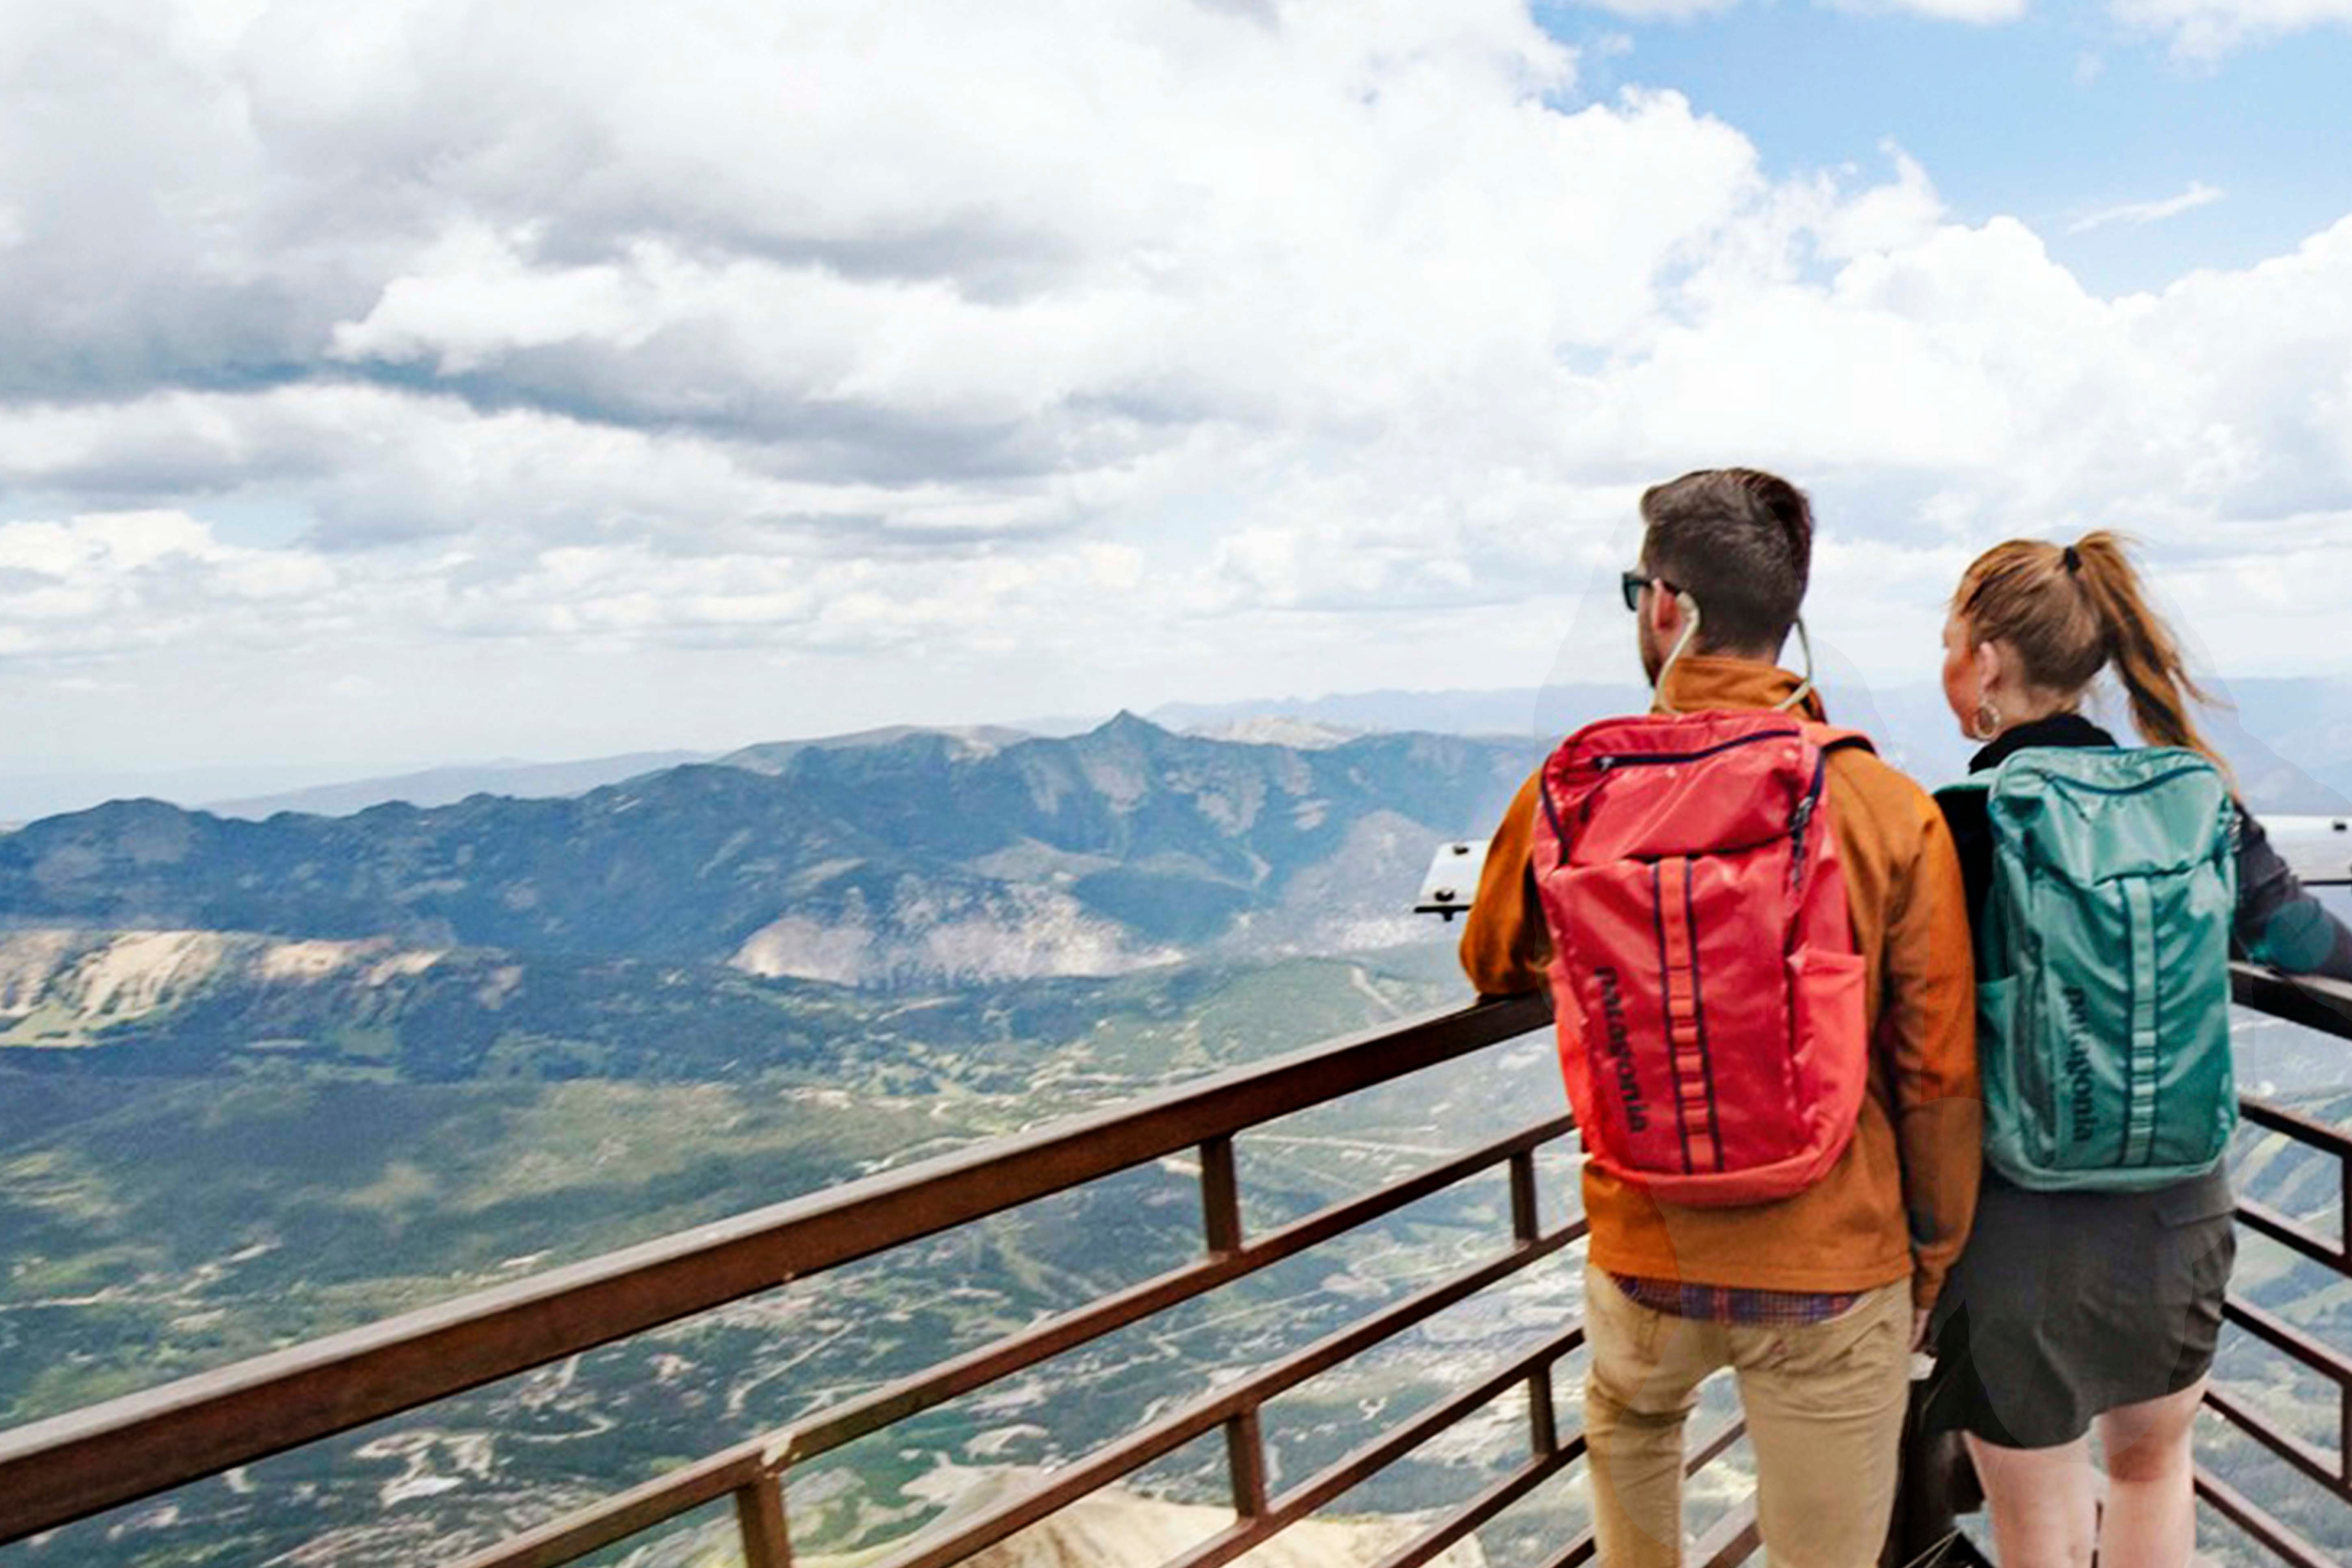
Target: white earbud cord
1690,629
1804,687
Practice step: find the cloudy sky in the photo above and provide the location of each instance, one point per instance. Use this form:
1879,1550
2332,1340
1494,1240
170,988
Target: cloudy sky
431,380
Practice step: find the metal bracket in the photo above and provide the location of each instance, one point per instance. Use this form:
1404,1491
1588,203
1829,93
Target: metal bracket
1452,880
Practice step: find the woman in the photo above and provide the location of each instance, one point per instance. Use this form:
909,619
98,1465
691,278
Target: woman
2071,1309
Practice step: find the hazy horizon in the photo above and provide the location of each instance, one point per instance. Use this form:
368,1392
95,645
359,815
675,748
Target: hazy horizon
29,793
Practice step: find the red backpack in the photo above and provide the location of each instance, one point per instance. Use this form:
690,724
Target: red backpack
1706,979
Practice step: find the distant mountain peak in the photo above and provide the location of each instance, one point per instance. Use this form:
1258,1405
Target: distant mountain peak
1127,722
1125,734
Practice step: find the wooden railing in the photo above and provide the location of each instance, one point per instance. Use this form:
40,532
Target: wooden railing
86,1462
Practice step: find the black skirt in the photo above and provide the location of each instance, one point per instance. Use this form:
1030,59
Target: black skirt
2064,1305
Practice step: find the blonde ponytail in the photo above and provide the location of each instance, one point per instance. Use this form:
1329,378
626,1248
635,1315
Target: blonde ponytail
2141,646
2070,611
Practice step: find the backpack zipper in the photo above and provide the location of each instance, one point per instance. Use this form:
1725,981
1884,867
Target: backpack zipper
1611,763
2134,788
1797,822
1552,814
1643,759
1802,817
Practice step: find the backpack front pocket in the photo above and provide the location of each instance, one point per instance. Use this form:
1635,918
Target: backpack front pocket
1683,985
2127,1061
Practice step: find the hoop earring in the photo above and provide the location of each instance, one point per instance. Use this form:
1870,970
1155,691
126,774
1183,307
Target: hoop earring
1986,725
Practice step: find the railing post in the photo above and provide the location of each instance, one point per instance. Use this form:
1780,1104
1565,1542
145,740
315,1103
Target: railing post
1525,1217
2344,1435
1245,1460
1543,1425
2344,1214
760,1515
2344,1266
1220,1203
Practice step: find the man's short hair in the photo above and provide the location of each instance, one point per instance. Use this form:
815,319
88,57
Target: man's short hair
1738,541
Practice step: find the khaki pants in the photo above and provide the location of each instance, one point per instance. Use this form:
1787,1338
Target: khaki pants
1824,1405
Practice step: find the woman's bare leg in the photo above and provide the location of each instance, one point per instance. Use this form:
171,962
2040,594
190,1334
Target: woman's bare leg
2151,1517
2041,1503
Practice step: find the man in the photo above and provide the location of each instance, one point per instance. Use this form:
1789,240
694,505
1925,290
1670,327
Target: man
1815,1300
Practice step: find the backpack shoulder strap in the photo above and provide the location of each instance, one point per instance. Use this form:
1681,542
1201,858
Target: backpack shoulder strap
1830,738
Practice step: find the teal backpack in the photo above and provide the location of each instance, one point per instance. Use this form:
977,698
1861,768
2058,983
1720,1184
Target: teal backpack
2102,967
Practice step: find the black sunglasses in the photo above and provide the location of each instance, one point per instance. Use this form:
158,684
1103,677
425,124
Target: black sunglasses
1632,583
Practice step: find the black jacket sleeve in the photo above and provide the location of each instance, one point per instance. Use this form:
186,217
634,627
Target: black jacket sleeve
2280,922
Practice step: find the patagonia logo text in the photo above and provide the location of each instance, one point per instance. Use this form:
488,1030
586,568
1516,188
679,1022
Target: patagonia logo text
1618,1047
2081,1083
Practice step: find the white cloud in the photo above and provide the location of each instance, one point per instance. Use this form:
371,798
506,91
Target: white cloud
1047,356
2198,195
108,582
1851,222
2206,29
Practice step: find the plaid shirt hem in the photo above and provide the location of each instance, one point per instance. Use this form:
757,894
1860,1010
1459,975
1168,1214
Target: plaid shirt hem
1730,1304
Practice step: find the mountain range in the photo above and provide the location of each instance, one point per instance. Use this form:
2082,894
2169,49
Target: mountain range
915,857
909,856
2292,738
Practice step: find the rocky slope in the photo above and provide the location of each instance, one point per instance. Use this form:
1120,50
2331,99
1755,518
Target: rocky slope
194,1003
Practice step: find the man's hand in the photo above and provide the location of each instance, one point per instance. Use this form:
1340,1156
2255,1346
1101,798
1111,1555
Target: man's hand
1918,1329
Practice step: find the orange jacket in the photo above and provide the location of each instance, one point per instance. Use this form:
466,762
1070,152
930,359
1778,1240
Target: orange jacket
1900,1199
